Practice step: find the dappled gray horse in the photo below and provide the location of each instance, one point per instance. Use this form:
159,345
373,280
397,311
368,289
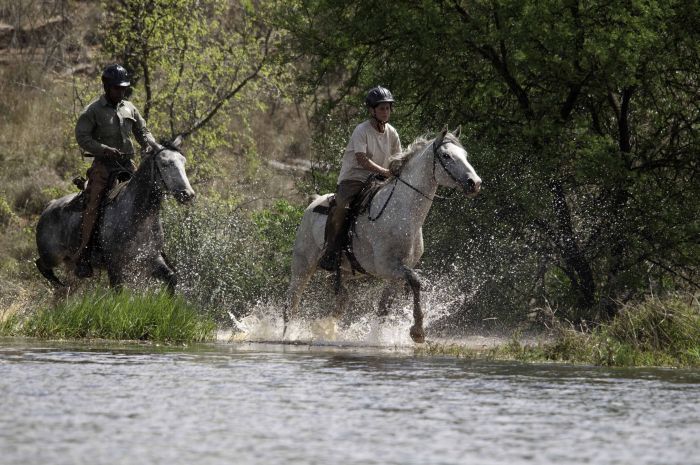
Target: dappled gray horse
130,234
388,241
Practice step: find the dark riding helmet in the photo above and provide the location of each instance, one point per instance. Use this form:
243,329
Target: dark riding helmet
378,95
115,76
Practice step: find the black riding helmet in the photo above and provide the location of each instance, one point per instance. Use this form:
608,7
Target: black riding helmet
378,95
115,76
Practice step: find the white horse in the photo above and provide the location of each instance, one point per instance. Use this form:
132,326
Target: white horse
388,241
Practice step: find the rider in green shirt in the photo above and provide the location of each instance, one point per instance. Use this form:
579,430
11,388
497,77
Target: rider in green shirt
103,132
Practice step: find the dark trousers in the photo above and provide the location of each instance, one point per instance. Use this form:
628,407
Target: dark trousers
346,192
98,182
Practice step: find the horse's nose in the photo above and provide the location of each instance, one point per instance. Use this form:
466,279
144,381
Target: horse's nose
185,195
477,185
473,185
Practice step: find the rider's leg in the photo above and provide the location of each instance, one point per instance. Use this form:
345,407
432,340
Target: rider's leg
336,223
98,177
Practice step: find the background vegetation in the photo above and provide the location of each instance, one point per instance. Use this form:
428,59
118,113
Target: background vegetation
581,118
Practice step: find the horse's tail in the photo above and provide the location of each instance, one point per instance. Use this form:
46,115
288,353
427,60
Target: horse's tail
48,273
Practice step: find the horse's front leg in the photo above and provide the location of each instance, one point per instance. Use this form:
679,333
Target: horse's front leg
116,278
163,272
417,332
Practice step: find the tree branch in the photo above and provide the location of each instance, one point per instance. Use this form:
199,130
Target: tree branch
232,92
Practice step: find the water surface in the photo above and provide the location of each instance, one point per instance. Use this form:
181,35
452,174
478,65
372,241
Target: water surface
247,403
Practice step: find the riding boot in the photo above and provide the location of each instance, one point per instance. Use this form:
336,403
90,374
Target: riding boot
83,268
335,229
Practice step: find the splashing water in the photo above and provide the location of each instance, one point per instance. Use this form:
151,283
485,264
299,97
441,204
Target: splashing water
359,327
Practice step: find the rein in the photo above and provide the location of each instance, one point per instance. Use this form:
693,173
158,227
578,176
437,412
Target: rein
398,178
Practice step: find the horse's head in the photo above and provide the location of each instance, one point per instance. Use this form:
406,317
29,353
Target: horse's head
170,164
452,169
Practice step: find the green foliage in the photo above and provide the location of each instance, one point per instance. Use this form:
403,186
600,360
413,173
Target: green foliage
6,213
277,228
671,325
654,332
9,325
228,259
99,315
199,66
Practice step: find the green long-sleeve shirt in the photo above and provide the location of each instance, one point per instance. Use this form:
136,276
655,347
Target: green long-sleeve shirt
102,125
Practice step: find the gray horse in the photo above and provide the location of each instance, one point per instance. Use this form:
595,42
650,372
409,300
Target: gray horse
388,241
130,234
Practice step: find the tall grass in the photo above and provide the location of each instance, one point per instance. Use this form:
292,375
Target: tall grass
121,316
654,332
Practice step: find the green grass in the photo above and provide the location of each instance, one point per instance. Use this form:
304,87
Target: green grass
655,332
118,316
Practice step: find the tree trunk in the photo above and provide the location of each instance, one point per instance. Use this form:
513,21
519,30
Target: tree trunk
576,265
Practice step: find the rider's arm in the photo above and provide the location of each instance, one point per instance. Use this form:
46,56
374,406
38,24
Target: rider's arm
141,132
364,161
83,135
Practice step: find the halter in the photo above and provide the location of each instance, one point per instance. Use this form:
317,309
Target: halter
436,155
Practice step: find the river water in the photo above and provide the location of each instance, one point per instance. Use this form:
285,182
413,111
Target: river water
255,403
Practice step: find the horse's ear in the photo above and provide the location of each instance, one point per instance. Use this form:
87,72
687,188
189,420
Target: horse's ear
440,136
457,131
178,142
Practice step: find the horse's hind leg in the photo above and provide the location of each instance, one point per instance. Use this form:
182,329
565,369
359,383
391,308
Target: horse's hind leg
163,272
417,332
47,272
341,301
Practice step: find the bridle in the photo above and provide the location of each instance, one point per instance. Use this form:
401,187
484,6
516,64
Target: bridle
437,155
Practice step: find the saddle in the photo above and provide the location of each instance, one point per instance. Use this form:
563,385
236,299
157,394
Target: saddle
117,182
361,203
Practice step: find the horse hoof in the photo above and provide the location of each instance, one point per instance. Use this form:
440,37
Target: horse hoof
417,334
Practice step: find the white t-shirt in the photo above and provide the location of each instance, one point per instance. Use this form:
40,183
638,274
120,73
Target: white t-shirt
378,146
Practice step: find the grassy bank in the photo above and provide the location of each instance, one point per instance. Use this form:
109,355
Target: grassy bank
655,332
119,316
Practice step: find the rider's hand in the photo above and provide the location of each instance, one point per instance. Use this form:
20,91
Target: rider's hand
111,152
395,168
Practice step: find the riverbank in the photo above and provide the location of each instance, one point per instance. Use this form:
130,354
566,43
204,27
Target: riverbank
656,332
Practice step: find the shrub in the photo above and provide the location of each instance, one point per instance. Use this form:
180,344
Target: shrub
6,213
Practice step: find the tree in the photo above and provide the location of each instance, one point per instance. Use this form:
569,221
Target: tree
583,117
201,63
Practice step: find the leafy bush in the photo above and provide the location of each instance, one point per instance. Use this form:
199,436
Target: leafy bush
6,213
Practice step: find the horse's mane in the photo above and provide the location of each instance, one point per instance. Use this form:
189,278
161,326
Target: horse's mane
416,147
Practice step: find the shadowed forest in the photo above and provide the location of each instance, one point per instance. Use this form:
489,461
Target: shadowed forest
582,119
